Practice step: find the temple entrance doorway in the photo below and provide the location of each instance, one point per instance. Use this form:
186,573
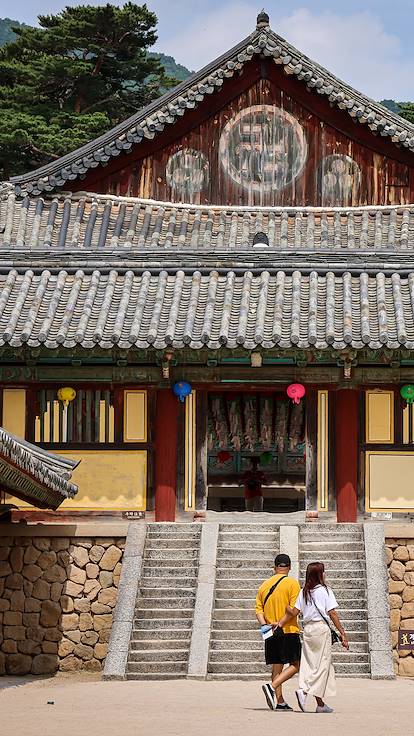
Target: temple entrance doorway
256,446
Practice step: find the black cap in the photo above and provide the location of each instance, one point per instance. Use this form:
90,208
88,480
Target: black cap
282,561
262,19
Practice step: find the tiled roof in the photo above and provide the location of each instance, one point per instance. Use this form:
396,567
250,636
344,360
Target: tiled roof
147,123
104,223
33,474
206,310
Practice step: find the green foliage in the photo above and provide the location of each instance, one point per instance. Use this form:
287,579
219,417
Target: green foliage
407,110
63,84
171,67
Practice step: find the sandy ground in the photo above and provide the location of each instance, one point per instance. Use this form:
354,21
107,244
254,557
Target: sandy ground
86,706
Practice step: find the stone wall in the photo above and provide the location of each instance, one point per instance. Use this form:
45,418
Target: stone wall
400,560
57,596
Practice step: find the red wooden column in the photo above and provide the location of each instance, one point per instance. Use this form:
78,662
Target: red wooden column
166,419
346,454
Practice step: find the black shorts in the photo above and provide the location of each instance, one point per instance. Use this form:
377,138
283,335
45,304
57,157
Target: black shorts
282,648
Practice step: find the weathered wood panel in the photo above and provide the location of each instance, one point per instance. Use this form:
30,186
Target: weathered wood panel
272,143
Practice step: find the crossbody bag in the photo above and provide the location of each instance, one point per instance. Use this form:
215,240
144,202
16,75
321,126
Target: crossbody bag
278,631
335,638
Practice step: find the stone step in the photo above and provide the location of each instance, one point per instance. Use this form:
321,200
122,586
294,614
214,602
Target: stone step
259,527
156,675
334,545
248,656
252,635
162,612
249,603
265,676
339,573
167,543
249,593
157,667
320,526
246,564
175,526
169,572
331,555
164,655
234,572
170,554
154,636
242,614
246,624
172,591
165,603
160,623
257,645
236,668
265,537
139,645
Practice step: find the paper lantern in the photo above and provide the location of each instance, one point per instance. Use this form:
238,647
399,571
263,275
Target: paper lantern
66,395
266,458
181,390
223,456
407,392
296,392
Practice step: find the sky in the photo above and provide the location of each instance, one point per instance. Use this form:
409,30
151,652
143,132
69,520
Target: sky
367,43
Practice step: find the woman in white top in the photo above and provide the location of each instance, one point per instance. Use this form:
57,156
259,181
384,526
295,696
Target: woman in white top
317,604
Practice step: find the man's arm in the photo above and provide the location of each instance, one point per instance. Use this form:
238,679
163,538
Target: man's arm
259,609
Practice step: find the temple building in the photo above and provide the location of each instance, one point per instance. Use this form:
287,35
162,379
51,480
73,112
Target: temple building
245,244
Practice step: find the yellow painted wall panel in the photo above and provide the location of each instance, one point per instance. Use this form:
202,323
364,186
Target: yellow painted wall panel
135,416
14,411
108,480
379,417
389,481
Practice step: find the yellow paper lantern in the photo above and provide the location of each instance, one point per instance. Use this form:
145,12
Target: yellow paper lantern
66,394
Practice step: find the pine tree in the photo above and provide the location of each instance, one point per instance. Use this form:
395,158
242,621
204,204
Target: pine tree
82,72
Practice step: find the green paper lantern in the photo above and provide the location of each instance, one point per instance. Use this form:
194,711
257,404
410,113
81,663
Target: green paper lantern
407,392
266,458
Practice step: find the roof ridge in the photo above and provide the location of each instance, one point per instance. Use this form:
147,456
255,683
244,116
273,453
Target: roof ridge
152,119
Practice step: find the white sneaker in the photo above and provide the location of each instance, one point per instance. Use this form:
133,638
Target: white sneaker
324,709
301,698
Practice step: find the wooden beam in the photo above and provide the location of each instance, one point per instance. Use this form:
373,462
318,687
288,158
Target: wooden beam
311,450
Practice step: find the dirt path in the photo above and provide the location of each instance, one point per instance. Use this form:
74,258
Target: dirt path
85,706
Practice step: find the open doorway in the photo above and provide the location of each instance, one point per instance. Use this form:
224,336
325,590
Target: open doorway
258,430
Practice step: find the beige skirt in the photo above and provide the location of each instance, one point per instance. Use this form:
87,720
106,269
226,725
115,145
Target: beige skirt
316,673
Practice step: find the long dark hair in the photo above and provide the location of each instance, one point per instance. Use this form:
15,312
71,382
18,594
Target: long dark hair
314,577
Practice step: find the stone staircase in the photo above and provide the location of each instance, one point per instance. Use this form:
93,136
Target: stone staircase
245,557
160,641
341,549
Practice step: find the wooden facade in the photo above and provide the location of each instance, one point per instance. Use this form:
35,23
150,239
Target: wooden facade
313,156
289,260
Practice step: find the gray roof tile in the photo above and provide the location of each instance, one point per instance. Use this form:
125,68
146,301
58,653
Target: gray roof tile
148,310
33,474
104,222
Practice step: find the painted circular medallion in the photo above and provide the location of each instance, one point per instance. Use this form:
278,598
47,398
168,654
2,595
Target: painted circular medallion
187,173
263,148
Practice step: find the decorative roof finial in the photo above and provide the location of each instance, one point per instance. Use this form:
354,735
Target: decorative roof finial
263,20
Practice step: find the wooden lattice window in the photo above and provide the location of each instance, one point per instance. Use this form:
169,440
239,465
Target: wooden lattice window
88,419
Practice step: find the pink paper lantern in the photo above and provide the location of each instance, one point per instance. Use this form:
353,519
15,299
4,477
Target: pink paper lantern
296,392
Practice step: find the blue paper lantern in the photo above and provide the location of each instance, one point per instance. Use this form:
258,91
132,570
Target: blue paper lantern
181,390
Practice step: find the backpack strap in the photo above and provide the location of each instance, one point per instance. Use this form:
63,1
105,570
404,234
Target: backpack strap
272,589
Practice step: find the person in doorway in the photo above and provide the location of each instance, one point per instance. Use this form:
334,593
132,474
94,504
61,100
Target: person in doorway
273,598
253,480
317,603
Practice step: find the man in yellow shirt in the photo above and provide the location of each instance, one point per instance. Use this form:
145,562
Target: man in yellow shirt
283,647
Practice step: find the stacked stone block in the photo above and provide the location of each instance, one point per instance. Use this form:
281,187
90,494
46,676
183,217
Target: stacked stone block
400,561
57,597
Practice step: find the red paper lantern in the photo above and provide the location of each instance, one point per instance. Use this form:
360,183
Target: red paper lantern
296,392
